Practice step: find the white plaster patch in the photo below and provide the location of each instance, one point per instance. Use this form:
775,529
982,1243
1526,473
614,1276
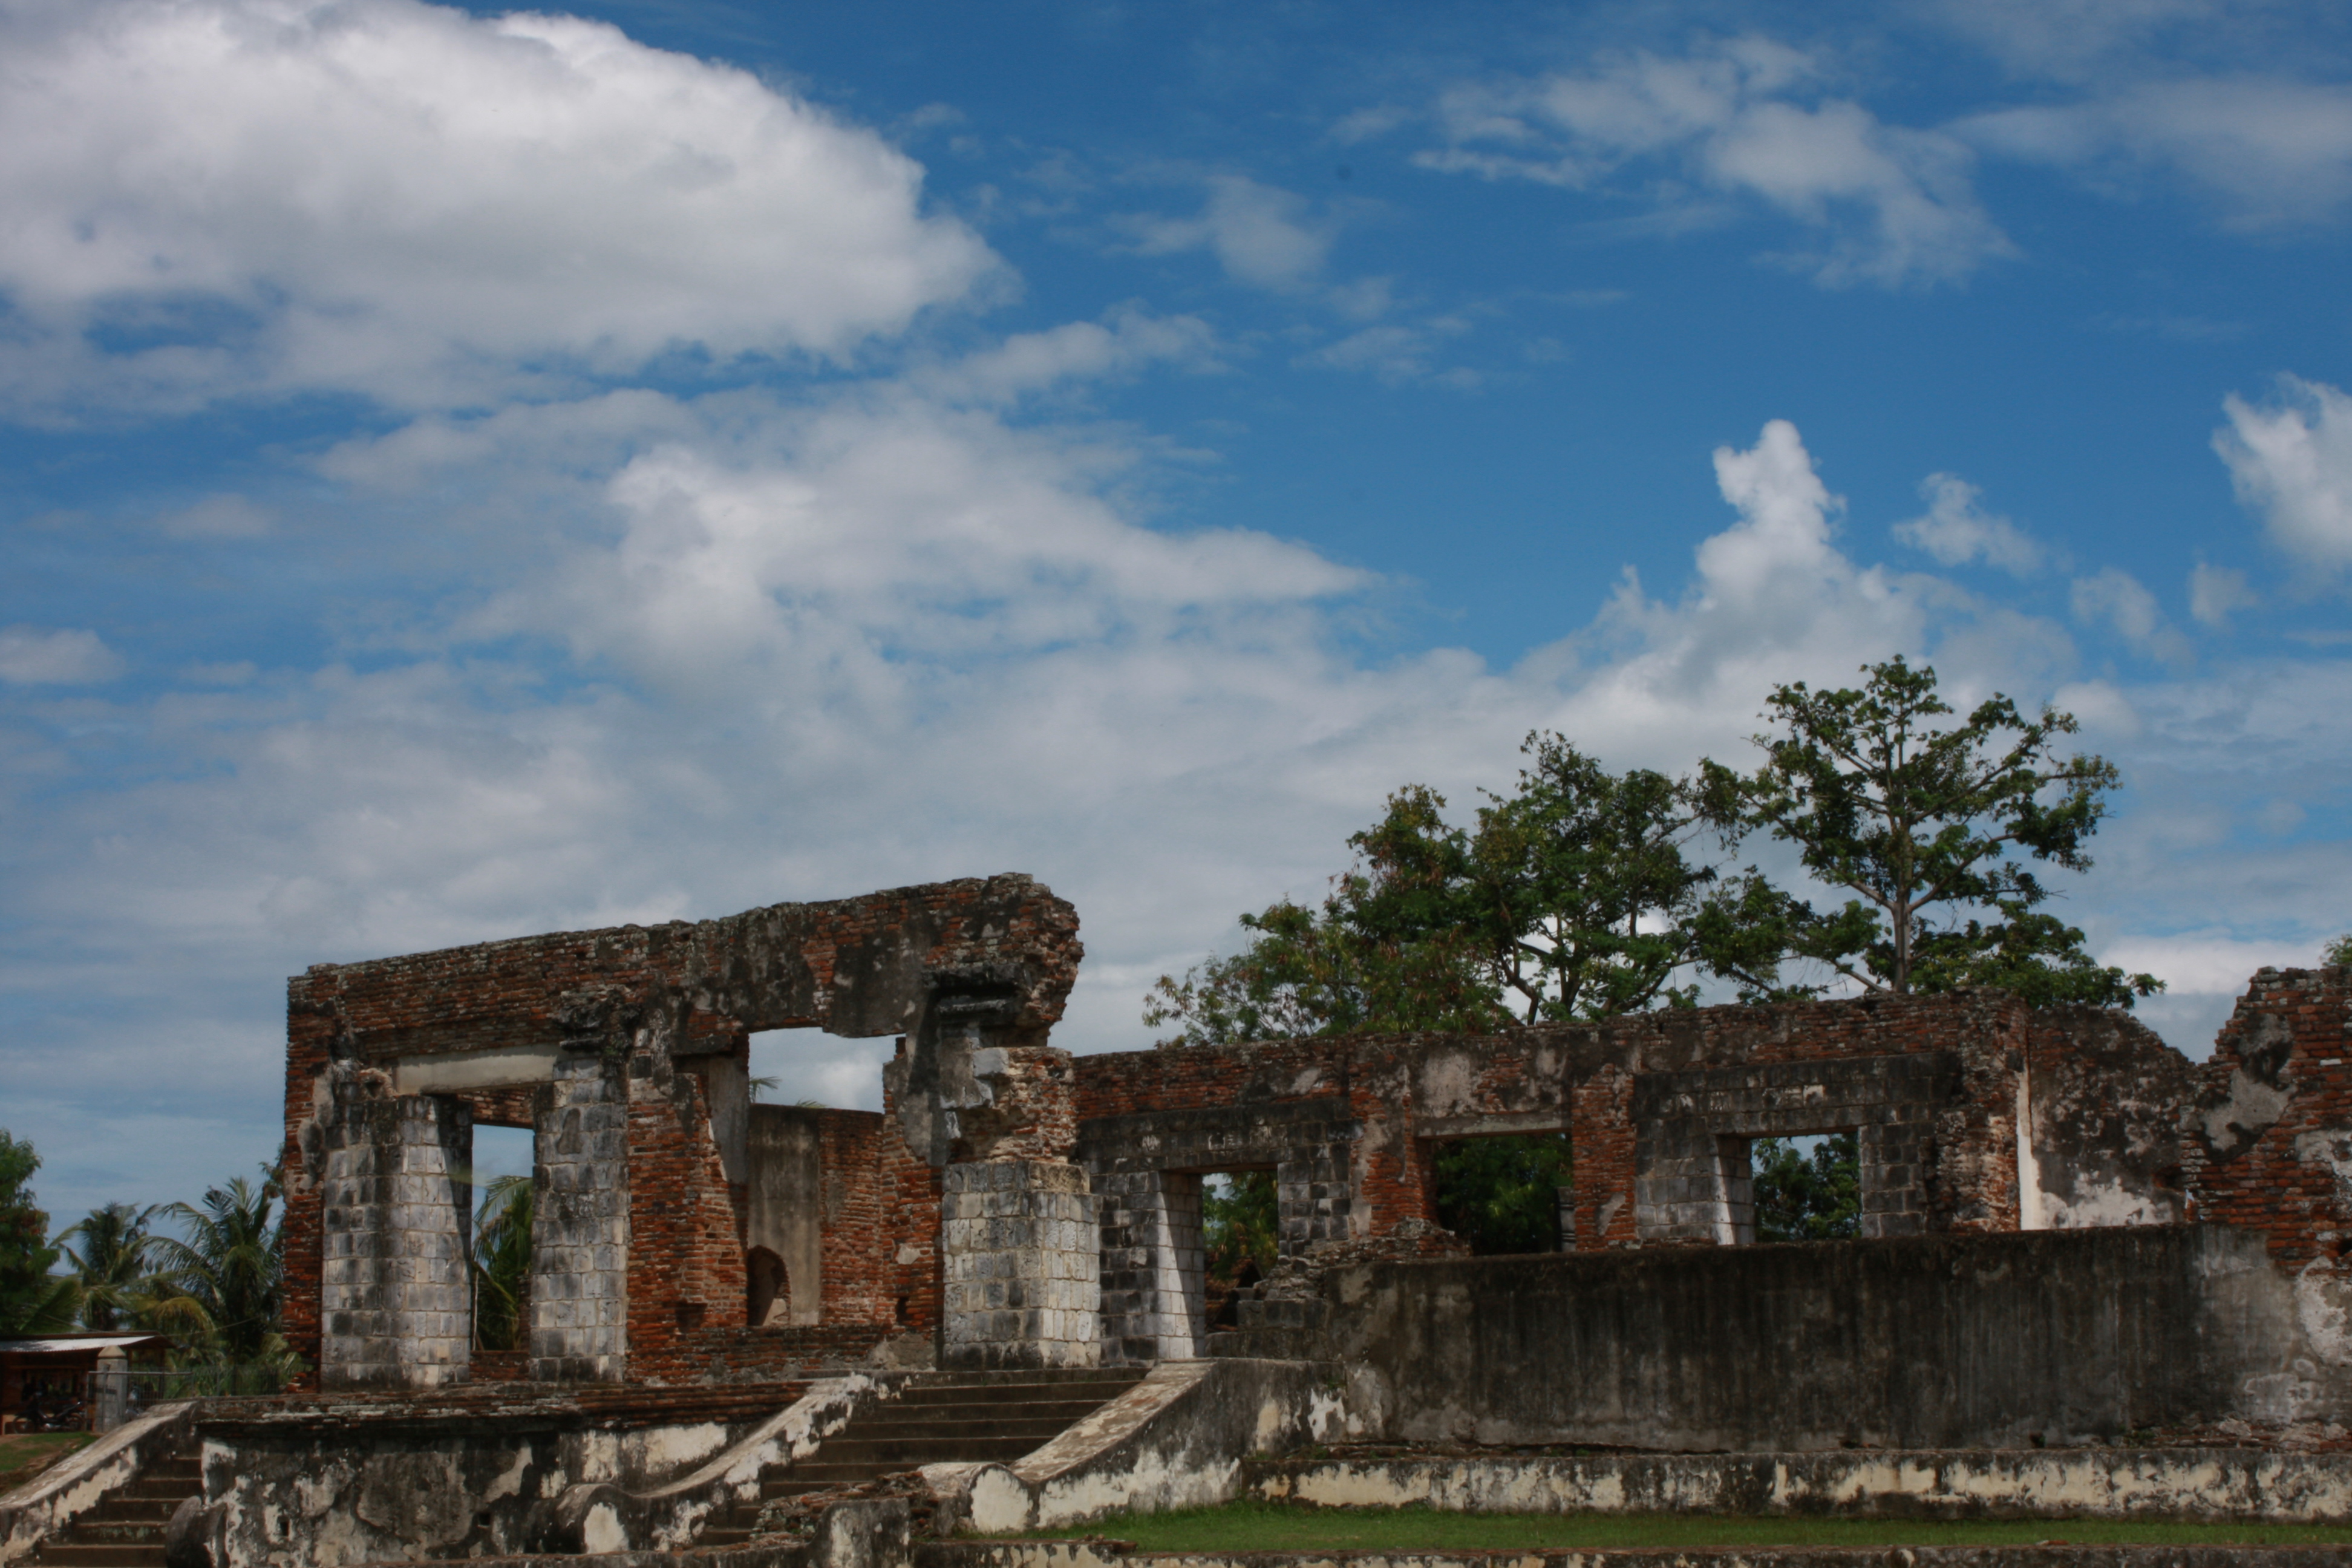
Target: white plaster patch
508,1482
998,1501
602,1532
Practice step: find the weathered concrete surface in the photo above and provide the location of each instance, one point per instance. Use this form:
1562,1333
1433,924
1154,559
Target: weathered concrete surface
1177,1439
787,1210
2081,1483
1935,1342
324,1486
1106,1554
73,1486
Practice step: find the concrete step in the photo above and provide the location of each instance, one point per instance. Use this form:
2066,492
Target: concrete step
1015,1426
938,1418
905,1453
1063,1411
102,1555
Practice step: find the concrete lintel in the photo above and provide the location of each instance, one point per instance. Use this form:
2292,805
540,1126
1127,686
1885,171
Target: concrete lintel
500,1066
1494,1124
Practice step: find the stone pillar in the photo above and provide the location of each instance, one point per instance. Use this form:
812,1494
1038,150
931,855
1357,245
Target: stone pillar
395,1296
110,1389
1315,1199
1152,1265
579,1227
1020,1250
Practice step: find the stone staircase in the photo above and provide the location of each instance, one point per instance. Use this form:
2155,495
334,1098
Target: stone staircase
939,1417
126,1531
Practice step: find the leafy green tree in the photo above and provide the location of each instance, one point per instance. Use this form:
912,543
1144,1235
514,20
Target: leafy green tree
1501,1194
228,1272
109,1250
1807,1198
1926,821
501,1262
1574,897
2339,952
32,1300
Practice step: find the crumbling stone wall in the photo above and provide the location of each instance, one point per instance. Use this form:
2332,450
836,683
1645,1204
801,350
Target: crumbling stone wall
2266,1140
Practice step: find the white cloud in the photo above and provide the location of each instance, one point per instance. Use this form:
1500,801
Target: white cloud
220,517
1956,532
2115,598
2216,593
1397,354
1261,234
2271,152
2292,461
1892,206
1028,362
30,657
211,197
2067,37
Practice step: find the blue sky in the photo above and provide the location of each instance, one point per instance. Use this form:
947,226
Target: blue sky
465,474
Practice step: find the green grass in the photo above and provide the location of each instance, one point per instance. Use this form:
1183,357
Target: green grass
1252,1526
24,1455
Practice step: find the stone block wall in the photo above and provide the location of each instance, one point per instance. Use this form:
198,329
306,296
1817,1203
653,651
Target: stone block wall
1693,1173
395,1220
580,1229
1021,1246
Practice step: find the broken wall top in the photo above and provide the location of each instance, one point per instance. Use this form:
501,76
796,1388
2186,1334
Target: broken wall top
856,967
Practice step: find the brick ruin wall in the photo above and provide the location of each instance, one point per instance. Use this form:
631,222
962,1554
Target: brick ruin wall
1391,1099
1976,1114
661,1016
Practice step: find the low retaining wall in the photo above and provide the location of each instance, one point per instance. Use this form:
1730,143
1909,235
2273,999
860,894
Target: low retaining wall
1937,1341
408,1480
2088,1483
1098,1555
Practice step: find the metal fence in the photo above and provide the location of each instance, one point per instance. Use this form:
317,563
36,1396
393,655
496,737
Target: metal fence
64,1400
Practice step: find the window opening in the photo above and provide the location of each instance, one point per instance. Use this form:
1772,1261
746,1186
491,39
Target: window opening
501,1265
1506,1194
1808,1187
803,1066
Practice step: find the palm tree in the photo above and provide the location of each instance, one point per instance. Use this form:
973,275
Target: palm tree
501,1262
228,1269
110,1257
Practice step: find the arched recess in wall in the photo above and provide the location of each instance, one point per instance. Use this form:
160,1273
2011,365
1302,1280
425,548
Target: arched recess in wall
770,1287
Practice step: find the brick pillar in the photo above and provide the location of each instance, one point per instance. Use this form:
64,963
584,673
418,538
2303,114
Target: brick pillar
580,1229
1020,1248
395,1298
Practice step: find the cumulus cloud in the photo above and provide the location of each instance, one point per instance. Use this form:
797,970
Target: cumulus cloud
2115,599
211,197
1261,234
1889,205
31,657
1956,531
2291,461
1397,354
